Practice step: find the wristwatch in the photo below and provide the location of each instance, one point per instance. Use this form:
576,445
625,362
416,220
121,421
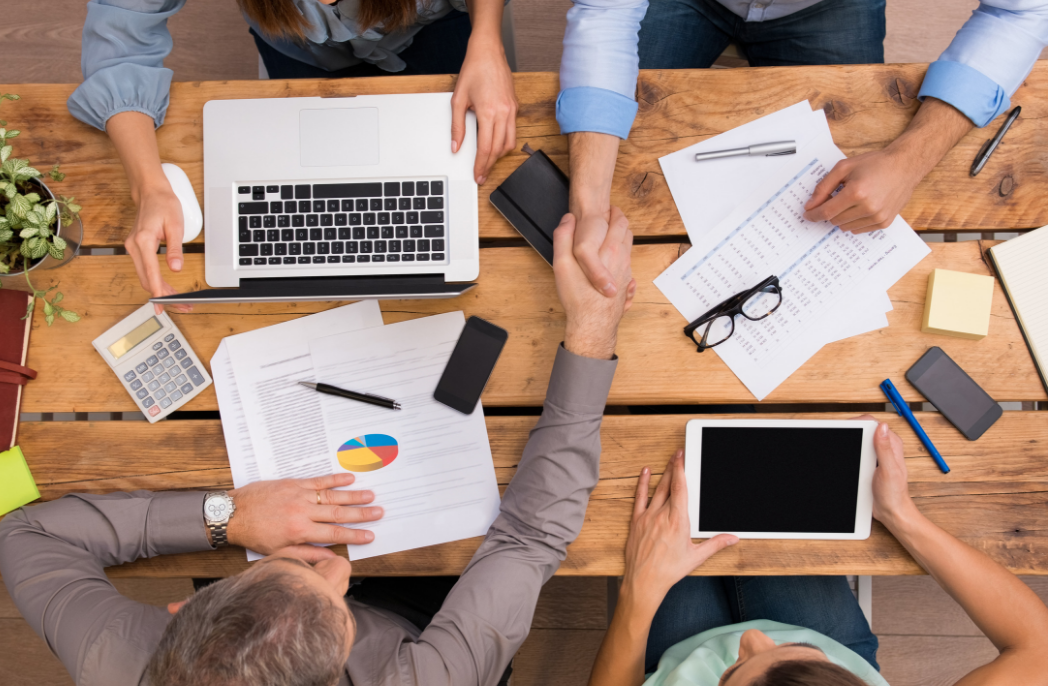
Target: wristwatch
218,510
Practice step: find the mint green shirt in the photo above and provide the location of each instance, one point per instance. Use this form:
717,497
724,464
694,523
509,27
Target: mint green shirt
702,659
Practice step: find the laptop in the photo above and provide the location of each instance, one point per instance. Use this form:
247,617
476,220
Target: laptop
336,198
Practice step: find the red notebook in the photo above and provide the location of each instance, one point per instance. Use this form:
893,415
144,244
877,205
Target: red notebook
14,345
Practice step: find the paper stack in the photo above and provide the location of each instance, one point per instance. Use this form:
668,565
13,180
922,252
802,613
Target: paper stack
744,216
431,470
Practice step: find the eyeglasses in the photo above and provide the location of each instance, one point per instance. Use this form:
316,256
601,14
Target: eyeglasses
717,325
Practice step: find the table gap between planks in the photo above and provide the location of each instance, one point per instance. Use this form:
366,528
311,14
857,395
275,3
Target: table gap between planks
993,499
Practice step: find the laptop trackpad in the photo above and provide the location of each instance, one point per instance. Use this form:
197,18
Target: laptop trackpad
337,138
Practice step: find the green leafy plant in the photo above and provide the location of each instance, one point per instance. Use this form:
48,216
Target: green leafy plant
28,222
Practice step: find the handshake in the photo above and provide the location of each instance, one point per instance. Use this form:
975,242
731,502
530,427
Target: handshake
290,514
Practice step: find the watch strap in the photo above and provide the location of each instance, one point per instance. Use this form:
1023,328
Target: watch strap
218,534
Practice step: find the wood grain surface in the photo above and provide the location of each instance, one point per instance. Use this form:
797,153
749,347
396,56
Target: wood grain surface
994,498
867,107
658,365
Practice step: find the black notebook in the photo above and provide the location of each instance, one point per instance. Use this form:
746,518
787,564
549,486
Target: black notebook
533,199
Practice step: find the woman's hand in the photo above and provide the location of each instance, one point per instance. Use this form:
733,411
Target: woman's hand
159,210
891,489
485,85
660,552
276,514
159,220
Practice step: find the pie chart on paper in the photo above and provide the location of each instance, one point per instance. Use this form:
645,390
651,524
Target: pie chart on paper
368,452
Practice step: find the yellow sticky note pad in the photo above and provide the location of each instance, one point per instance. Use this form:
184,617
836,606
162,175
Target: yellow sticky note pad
17,486
958,304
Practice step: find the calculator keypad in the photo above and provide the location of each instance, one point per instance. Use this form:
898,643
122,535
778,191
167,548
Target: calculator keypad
167,376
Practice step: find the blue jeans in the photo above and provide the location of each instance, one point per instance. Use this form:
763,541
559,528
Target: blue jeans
691,34
439,48
822,603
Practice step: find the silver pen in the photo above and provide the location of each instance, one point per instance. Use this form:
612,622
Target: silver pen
766,149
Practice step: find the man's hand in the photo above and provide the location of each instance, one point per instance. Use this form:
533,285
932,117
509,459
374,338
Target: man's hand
891,490
659,551
159,219
485,85
593,319
276,514
877,185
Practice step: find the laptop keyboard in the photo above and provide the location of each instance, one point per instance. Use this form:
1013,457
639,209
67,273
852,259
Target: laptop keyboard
374,222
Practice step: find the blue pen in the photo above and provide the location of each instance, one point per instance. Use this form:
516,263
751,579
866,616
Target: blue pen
904,411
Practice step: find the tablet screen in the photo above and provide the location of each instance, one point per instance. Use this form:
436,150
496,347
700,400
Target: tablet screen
779,480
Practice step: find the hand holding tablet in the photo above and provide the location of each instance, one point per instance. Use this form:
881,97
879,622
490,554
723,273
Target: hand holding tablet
781,479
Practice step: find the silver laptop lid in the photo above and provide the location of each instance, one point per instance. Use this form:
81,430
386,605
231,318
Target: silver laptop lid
325,187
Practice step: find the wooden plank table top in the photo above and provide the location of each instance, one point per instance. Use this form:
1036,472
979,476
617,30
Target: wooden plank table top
867,106
994,498
658,365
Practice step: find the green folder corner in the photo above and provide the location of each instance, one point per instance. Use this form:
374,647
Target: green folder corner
16,481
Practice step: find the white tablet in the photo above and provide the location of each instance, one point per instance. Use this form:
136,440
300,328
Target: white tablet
780,478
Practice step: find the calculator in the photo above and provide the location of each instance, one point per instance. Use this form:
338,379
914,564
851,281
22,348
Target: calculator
151,358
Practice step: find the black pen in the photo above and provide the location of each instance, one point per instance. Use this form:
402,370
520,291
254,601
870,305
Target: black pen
353,395
989,146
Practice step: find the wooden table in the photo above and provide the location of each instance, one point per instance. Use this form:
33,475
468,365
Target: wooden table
993,498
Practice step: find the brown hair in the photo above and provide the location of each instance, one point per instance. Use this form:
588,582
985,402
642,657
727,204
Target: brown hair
282,19
807,673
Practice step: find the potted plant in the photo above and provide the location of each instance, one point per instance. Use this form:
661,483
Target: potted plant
32,223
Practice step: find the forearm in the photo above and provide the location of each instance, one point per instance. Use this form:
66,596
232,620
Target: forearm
53,558
592,164
485,17
620,660
1003,607
932,133
134,136
488,613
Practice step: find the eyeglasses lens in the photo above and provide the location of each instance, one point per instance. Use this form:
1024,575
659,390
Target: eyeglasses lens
762,303
719,330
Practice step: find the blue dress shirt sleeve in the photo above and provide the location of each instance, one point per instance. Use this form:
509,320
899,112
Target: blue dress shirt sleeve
598,70
989,58
122,57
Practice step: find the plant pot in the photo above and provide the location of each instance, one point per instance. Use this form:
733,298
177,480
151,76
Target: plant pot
72,233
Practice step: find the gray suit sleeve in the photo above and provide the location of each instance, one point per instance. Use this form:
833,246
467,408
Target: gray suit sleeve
488,613
53,555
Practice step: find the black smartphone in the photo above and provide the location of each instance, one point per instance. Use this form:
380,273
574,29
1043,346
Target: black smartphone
471,362
962,401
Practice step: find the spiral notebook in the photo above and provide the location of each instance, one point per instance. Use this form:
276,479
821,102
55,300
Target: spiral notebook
1020,265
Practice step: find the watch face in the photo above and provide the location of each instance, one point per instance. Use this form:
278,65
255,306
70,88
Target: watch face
216,508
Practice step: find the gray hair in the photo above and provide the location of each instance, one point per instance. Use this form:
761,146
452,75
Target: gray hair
252,630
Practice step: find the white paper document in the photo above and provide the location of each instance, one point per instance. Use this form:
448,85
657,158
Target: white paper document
429,466
828,277
234,424
282,419
706,192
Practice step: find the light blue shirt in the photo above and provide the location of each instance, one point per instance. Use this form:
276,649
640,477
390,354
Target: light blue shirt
984,64
125,43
